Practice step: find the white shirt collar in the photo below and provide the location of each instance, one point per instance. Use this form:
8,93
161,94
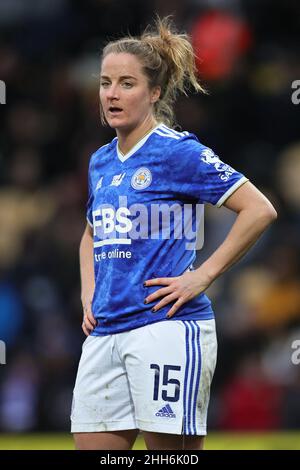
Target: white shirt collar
136,147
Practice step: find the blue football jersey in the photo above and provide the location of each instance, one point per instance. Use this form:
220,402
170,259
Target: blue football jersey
146,210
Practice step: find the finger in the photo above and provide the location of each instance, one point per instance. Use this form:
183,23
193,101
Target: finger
87,323
86,332
87,308
160,281
175,307
87,329
165,301
157,294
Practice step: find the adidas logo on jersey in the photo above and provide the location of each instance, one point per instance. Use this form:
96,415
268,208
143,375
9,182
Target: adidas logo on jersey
166,412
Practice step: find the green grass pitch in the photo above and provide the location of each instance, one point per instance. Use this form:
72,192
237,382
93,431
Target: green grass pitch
216,441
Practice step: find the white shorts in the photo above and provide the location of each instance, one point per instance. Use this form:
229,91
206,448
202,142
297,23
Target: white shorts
154,378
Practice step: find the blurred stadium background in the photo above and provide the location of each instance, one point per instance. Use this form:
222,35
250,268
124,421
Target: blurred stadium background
49,60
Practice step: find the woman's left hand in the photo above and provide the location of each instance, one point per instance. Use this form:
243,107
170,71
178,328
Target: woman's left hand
180,289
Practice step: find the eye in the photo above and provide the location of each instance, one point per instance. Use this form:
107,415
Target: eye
127,85
104,84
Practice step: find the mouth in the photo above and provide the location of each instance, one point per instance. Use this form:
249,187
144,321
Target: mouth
114,110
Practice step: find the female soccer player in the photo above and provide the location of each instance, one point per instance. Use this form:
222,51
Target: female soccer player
150,353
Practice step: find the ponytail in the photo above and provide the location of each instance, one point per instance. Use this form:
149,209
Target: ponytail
168,61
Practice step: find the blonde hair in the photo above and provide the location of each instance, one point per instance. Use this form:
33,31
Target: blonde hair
168,61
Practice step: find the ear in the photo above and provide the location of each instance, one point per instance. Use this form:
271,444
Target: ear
155,94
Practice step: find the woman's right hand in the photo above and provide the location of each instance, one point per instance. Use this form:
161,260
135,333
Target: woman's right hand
89,322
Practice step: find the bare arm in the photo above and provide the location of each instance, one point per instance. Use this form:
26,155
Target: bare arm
87,276
255,213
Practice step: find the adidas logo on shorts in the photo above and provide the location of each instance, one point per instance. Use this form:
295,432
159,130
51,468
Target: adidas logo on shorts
166,412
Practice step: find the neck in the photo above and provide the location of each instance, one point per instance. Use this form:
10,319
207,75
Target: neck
128,139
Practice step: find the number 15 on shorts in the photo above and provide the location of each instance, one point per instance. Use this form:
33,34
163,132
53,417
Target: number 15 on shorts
162,382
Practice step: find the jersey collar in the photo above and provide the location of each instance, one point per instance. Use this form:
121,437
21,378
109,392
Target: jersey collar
137,146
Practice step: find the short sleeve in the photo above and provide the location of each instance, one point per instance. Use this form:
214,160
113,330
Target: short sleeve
199,173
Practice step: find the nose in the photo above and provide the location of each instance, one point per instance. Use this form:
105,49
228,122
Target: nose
112,92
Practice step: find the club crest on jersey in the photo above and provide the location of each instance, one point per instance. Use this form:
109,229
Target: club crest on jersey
141,179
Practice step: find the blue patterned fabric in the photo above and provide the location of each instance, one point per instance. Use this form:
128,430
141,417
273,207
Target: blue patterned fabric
145,209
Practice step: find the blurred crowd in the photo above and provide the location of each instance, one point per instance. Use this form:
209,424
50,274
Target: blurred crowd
49,59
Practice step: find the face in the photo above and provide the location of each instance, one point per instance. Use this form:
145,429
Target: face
124,92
